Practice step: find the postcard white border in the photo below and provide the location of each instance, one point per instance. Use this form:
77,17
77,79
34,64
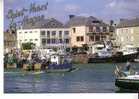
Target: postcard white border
51,96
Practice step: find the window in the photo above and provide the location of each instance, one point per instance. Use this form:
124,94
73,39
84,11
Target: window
48,41
104,29
53,41
97,38
53,33
90,29
91,38
95,21
97,29
82,39
42,33
60,41
48,33
66,33
60,33
74,30
66,41
103,37
78,39
43,41
36,39
31,39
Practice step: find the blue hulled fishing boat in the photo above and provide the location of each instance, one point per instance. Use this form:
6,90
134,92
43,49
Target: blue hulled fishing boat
59,63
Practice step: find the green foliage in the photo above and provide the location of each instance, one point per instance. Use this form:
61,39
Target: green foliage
27,46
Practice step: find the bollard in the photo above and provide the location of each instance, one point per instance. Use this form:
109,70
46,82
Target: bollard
37,66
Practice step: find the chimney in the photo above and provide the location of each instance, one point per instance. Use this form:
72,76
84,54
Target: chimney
71,16
111,22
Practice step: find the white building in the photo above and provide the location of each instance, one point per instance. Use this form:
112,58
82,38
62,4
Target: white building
49,33
28,35
127,33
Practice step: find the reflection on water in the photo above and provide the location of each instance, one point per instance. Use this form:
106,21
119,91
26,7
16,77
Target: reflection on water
89,78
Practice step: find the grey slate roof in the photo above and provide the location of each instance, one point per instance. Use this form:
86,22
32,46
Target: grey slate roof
43,23
81,20
53,23
128,23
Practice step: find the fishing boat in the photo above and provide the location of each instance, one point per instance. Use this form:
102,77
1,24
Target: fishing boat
130,82
59,63
118,57
106,54
10,61
127,80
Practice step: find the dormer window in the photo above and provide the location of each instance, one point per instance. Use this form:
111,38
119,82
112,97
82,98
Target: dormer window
104,29
74,30
95,21
97,29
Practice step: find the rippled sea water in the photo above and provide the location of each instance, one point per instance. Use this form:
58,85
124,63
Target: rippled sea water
87,78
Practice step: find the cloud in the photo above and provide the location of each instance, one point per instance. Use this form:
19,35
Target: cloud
11,1
59,1
122,8
111,4
72,8
84,14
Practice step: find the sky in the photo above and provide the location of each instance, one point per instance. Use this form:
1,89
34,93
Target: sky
105,10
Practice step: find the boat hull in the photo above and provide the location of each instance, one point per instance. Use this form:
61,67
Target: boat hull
66,67
119,58
59,70
130,84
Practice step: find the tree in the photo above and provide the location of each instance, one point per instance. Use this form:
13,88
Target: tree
28,46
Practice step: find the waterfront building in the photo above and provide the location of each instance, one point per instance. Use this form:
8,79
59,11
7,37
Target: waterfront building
87,30
45,33
127,32
9,40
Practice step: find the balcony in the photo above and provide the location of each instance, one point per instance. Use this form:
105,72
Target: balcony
97,33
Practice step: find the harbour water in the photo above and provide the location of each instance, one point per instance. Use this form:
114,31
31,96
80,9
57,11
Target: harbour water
87,78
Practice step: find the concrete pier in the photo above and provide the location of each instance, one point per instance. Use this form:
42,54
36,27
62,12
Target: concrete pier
80,58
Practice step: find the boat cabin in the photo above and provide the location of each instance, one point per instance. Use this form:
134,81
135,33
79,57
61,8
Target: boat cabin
128,49
59,59
55,59
96,48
